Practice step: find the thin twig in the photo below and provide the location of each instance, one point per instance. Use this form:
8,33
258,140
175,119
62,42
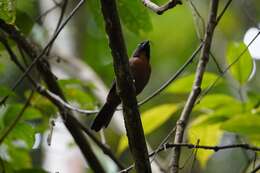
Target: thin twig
227,68
35,60
201,68
195,146
216,62
256,169
40,89
206,147
173,77
62,13
194,157
161,9
223,11
196,15
50,80
46,13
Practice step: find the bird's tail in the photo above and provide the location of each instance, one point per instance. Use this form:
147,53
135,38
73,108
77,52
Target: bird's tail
103,117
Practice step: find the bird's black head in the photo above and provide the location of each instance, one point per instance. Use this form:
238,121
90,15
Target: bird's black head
143,49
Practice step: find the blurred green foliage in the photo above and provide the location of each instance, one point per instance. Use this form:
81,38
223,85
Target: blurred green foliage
231,106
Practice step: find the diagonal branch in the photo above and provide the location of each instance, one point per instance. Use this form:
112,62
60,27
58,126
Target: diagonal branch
161,9
50,42
50,80
125,88
196,89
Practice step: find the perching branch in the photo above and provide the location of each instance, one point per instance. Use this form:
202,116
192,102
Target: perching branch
196,89
125,87
161,9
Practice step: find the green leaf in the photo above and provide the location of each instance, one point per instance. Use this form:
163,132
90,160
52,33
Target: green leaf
24,22
214,101
211,119
160,113
242,69
184,84
13,110
75,92
208,134
43,105
134,16
20,158
24,132
246,124
7,11
4,91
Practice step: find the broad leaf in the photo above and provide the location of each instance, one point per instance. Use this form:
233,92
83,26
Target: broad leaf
246,124
214,101
243,65
134,16
184,84
208,134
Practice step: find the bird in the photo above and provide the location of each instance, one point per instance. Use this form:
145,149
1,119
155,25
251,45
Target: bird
140,68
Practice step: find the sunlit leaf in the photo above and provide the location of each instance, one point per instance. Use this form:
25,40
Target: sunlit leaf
215,101
246,124
208,134
7,11
242,69
160,113
184,84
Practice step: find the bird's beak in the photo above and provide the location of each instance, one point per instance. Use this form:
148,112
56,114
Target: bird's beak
144,45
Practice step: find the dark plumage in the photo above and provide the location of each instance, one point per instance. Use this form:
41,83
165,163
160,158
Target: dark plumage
141,70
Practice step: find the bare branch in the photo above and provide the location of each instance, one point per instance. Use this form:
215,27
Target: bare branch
201,68
161,9
125,87
195,146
